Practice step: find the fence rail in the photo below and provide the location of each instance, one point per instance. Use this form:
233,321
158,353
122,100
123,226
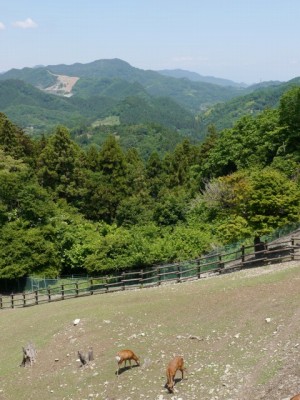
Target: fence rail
244,257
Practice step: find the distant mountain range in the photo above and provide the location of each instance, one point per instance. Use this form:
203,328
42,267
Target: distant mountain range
107,77
75,95
194,76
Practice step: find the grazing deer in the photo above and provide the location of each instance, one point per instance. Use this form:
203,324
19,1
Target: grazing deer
173,366
297,397
126,355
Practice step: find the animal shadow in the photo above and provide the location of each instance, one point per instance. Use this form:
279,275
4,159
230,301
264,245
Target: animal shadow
123,369
176,380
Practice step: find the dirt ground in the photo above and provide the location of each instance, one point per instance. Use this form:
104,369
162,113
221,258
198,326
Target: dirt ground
281,348
238,333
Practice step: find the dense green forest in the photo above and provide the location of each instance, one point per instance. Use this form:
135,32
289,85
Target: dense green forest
254,99
67,209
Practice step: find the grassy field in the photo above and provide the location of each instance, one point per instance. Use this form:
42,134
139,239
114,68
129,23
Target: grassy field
220,325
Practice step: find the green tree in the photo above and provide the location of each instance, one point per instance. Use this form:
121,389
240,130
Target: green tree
183,157
289,110
107,188
289,118
155,174
15,175
27,250
92,157
170,208
255,202
59,165
13,140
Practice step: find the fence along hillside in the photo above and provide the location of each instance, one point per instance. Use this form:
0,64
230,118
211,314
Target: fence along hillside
280,250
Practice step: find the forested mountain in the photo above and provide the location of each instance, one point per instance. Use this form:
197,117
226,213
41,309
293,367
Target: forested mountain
39,112
258,98
66,209
29,107
107,96
102,73
194,76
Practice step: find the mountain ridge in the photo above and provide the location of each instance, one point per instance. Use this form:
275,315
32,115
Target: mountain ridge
194,76
192,95
112,88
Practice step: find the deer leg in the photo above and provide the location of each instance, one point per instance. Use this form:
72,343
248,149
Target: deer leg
118,368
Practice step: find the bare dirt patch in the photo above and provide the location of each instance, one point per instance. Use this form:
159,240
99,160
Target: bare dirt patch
63,85
238,333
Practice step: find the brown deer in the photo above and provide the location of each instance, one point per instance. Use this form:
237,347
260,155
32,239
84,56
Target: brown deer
126,355
174,365
297,397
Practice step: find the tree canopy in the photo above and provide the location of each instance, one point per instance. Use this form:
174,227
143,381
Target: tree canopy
66,209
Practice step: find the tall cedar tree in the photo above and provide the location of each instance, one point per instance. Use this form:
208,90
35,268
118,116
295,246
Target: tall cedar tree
59,163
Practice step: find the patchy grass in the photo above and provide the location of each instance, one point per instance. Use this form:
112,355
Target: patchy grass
218,324
108,121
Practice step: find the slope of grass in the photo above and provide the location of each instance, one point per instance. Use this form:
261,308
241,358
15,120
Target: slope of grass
217,324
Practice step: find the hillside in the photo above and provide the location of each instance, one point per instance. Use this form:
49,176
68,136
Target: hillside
261,97
38,112
194,76
238,334
191,95
110,88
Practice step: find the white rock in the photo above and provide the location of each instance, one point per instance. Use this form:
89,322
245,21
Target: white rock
76,321
268,320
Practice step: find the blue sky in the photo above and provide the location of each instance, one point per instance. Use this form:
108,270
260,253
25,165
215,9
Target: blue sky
242,40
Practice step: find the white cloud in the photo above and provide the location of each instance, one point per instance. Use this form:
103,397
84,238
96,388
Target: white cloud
28,23
2,26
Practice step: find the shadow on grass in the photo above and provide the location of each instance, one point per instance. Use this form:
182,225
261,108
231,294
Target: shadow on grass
123,369
176,380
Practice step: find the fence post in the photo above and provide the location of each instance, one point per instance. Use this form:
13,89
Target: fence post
123,280
12,300
49,294
178,274
36,296
265,252
76,289
221,265
62,291
293,249
1,303
158,276
106,284
198,269
24,299
141,278
91,287
242,254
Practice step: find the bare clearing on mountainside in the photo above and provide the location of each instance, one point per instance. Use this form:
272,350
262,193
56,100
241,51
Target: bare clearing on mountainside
63,85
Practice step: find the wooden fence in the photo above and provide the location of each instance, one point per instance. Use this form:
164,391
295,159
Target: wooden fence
243,257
